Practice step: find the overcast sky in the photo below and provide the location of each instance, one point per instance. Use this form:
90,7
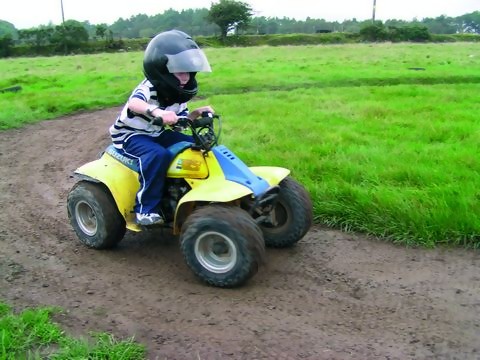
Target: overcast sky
31,13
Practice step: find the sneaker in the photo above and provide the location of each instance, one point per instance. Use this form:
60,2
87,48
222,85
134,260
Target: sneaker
149,219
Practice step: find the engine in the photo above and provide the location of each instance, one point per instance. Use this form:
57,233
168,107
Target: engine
175,189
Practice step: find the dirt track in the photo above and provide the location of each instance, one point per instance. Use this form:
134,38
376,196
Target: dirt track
333,296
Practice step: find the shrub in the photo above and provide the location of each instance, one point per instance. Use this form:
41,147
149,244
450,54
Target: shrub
6,44
417,33
374,32
467,37
441,38
378,32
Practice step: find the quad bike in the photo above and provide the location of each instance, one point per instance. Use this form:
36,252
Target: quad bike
224,211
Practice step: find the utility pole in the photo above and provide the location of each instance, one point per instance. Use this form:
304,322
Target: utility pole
64,30
63,15
374,7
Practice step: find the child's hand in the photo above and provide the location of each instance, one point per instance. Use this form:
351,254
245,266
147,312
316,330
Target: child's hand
197,112
169,117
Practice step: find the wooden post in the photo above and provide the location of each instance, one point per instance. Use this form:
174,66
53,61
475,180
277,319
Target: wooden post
63,15
63,24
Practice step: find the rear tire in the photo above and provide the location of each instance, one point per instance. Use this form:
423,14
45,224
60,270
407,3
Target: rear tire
94,215
222,245
292,216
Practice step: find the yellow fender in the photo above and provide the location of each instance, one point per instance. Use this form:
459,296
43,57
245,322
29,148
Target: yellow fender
120,180
273,175
218,189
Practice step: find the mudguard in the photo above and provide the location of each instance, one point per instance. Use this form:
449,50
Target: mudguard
273,175
219,189
120,180
229,179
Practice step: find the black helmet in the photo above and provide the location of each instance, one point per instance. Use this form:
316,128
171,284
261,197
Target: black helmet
171,52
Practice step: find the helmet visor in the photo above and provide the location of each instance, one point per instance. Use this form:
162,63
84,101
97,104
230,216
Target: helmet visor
192,60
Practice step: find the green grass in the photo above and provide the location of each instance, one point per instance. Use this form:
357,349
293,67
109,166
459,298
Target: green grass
385,137
31,334
55,86
288,68
383,167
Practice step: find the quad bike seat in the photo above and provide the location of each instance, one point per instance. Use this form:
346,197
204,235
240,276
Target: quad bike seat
132,162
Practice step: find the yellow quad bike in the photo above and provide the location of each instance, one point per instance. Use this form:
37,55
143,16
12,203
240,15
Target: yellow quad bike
224,211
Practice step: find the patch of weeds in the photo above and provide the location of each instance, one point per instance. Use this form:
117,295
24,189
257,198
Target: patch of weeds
32,335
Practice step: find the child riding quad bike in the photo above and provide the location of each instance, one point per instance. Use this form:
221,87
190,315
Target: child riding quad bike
224,211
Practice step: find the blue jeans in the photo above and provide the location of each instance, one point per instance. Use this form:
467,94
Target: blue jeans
153,162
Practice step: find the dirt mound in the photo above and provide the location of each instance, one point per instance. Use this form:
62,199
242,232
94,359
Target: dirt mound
333,296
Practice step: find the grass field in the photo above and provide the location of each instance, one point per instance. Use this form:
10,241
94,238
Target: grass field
384,136
32,334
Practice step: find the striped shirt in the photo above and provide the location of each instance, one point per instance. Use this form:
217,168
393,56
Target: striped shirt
130,123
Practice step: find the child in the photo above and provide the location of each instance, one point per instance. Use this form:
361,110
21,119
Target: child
170,64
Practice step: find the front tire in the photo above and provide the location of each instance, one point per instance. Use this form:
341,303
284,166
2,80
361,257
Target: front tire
94,215
291,217
222,245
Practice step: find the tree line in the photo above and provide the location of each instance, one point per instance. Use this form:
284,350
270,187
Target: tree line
223,18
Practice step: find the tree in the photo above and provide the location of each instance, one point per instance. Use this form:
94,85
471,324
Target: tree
441,25
7,28
101,30
70,35
471,22
230,15
6,44
37,37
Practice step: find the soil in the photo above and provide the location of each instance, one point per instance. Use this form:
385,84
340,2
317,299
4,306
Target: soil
334,295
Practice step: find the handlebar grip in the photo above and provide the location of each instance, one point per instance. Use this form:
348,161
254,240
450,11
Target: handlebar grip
205,121
157,121
183,122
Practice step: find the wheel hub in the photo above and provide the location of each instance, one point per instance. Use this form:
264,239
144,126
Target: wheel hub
216,252
86,219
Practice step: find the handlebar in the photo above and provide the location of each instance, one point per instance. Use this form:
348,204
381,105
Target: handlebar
202,129
184,121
